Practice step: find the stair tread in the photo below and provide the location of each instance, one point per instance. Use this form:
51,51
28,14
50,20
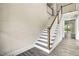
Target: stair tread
52,39
46,47
54,36
55,33
43,38
44,34
44,30
46,42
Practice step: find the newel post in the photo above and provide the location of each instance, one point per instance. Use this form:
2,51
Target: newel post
49,38
61,10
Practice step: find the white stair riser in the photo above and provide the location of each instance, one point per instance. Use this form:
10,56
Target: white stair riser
44,31
46,40
44,44
44,36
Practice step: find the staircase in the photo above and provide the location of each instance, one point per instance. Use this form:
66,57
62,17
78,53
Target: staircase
47,40
42,42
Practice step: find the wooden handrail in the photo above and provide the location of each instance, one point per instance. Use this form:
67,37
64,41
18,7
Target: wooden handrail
49,28
67,4
56,17
49,38
53,21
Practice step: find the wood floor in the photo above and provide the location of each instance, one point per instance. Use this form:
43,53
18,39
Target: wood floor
67,47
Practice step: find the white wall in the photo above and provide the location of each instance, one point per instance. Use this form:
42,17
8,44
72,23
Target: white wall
20,25
77,28
77,23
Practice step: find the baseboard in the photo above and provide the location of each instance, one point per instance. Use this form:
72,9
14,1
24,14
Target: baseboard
17,51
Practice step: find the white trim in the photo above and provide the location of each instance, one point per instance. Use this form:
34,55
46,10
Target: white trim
18,51
43,39
70,15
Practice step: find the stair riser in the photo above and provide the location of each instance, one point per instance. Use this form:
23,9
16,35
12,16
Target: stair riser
46,45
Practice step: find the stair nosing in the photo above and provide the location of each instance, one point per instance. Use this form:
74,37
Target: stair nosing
42,45
46,42
43,38
44,35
